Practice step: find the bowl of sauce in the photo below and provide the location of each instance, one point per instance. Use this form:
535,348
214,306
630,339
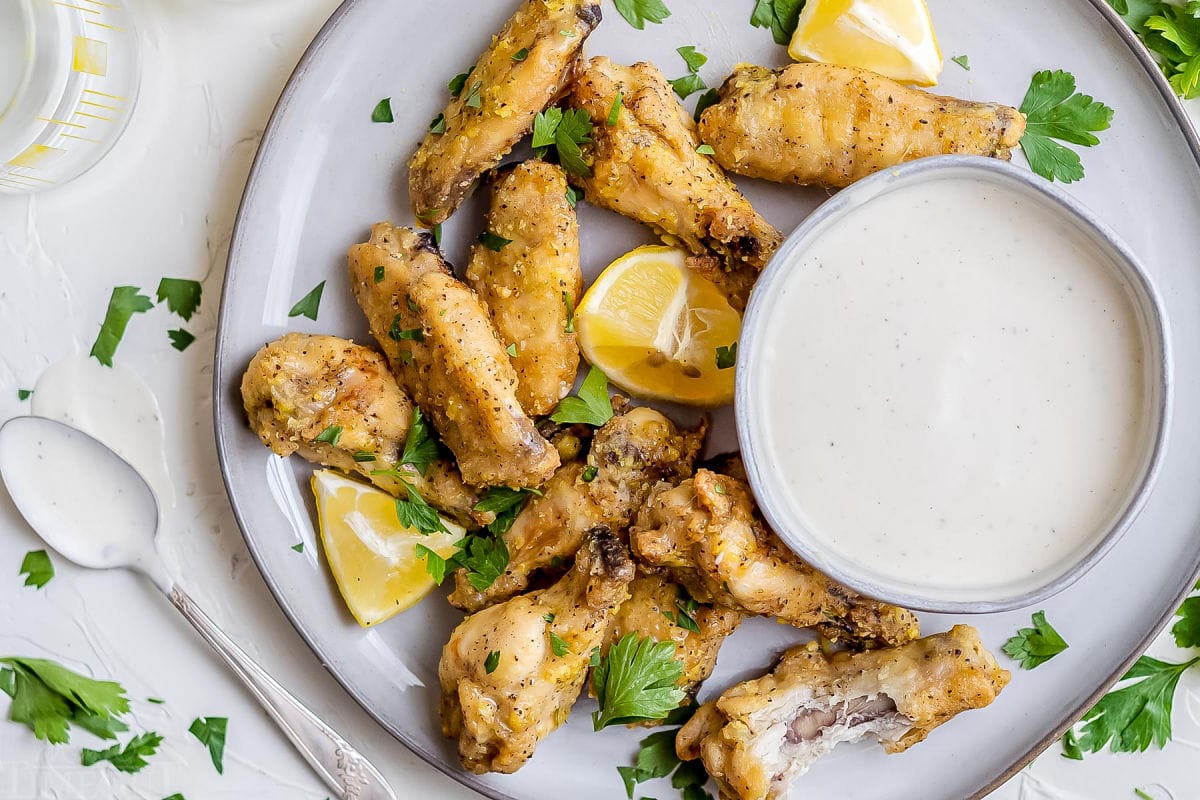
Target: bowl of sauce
954,387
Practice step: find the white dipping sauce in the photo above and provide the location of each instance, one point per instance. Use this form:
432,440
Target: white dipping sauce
955,388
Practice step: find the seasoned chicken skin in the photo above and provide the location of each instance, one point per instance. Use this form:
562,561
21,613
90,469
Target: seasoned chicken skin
631,453
499,716
758,736
300,386
497,104
442,347
646,167
706,533
529,283
830,126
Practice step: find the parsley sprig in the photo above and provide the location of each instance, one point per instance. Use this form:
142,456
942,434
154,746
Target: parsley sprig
1037,645
637,681
565,131
37,568
591,406
691,83
506,504
781,16
49,698
656,758
1055,113
1172,34
124,302
638,12
129,759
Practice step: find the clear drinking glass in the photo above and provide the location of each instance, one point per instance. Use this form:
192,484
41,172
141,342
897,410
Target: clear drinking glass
69,74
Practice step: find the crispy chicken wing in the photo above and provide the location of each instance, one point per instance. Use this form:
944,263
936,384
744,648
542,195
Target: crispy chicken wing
529,283
631,453
500,714
646,167
300,386
442,347
707,534
496,106
830,126
758,736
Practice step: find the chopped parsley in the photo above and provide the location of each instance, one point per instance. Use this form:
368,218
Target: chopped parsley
383,111
566,131
1187,630
310,304
380,272
437,125
638,12
435,565
129,759
591,406
459,82
331,435
636,681
474,100
417,514
706,150
122,305
180,339
569,304
181,294
421,446
1055,111
1037,645
691,83
493,241
398,334
512,350
589,473
685,610
298,547
362,456
520,55
211,733
781,16
963,62
557,646
49,698
692,57
614,112
491,662
707,100
656,758
37,568
727,356
484,557
24,394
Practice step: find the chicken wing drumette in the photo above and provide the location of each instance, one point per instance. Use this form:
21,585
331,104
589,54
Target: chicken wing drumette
758,736
511,673
707,534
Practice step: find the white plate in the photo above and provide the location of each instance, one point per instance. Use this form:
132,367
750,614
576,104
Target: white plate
324,173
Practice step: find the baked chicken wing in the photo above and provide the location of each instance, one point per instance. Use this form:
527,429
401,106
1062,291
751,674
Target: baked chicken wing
530,281
442,347
707,534
758,736
299,387
511,673
529,64
830,126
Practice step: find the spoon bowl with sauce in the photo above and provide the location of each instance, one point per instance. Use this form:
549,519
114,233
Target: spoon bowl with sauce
954,387
113,525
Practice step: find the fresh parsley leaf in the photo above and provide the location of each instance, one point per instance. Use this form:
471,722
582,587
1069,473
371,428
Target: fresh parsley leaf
1055,111
1037,645
545,127
435,565
380,274
574,130
638,12
158,701
437,125
594,657
781,16
491,662
592,405
474,100
569,303
637,681
176,796
484,558
459,82
298,547
1137,715
656,758
24,394
421,446
1171,32
695,793
707,100
573,197
557,646
706,150
589,473
310,304
101,727
122,305
963,61
130,759
1136,12
182,295
437,234
383,111
686,608
417,514
1143,795
8,681
506,504
364,456
1187,630
37,568
512,350
614,113
180,339
688,85
1070,746
727,356
48,697
398,334
692,57
331,435
493,241
211,732
520,55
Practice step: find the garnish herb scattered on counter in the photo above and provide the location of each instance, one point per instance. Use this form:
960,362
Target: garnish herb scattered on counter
383,111
691,83
182,295
331,435
298,547
565,131
131,758
709,98
638,12
417,514
506,504
1172,34
781,16
24,394
458,82
122,305
521,54
493,242
636,681
569,302
49,698
158,701
557,646
1187,630
1144,795
692,57
211,733
591,406
1037,645
37,568
310,304
1055,111
614,113
491,662
421,446
180,339
727,356
962,61
176,796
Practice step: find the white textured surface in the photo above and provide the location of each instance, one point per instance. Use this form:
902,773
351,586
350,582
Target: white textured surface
163,204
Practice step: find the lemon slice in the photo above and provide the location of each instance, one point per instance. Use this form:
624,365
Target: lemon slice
654,328
892,37
372,556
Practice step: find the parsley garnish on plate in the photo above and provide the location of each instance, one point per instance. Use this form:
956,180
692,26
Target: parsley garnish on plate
211,732
656,758
24,394
129,759
589,473
638,12
691,83
182,295
49,698
706,150
474,99
692,57
1037,645
685,610
573,197
506,504
458,82
180,339
494,241
1138,714
438,124
484,557
37,568
566,131
781,16
122,305
298,547
708,99
636,681
963,61
557,645
176,796
591,406
398,334
1172,34
331,435
417,514
614,112
1055,111
421,446
491,662
520,55
383,111
309,305
435,565
727,356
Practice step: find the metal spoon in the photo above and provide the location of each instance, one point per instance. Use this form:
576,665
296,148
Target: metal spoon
108,519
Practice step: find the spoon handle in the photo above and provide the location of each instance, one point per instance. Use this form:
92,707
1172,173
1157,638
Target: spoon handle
342,767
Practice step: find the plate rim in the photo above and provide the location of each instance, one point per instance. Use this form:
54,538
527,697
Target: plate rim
221,417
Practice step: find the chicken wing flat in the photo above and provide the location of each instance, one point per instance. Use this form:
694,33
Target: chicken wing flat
830,126
706,533
504,688
529,283
646,167
300,386
496,107
758,736
630,453
442,347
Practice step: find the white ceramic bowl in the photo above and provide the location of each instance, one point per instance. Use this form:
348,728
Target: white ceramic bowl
754,428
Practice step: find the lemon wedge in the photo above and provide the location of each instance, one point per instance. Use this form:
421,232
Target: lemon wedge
892,37
373,558
654,327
